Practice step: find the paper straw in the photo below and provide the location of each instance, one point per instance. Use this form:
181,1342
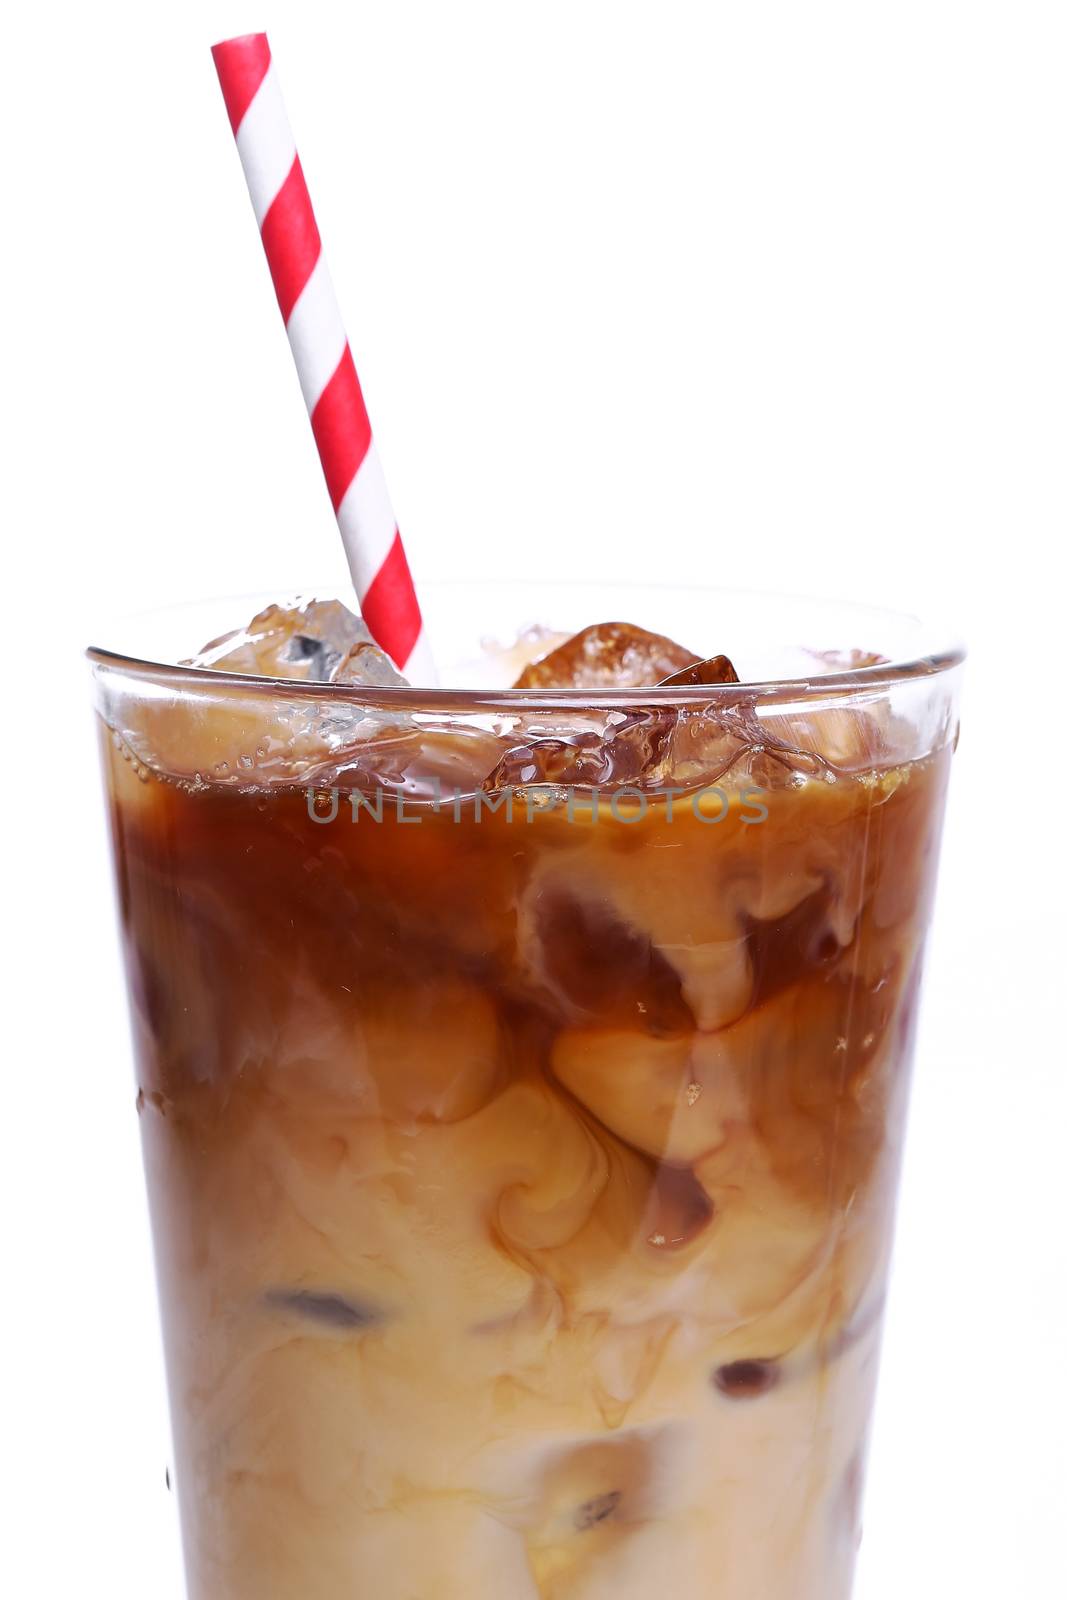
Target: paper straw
321,351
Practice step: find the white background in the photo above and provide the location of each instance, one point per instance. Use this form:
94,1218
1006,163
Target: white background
766,293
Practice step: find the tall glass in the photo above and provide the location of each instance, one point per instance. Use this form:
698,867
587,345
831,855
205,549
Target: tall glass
521,1080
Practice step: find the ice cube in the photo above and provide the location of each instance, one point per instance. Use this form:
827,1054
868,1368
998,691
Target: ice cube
672,1098
657,748
365,663
334,1311
608,655
849,660
678,1209
503,661
314,642
716,669
849,738
747,1380
628,748
592,1512
599,967
597,1491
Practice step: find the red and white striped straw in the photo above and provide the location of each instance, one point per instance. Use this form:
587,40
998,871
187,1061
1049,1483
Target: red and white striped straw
321,351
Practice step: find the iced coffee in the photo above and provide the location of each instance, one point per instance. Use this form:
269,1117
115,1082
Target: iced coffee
521,1082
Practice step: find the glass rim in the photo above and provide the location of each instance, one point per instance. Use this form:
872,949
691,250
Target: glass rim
833,684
